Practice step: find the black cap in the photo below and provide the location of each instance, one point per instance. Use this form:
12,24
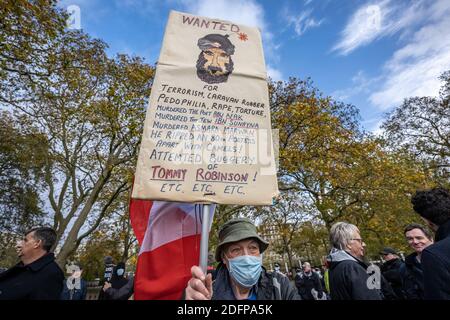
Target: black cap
216,41
388,250
108,260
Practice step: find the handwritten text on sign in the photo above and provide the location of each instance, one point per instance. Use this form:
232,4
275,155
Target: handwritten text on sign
207,135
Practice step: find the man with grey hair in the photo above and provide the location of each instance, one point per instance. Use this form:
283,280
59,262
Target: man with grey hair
348,274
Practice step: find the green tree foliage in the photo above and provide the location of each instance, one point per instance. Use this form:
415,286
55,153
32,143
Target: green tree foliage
331,171
27,31
22,154
311,242
113,237
91,254
421,126
77,117
285,218
89,107
339,171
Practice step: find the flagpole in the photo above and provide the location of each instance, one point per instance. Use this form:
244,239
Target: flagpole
204,238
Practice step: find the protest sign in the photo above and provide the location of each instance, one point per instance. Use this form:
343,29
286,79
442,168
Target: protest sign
207,135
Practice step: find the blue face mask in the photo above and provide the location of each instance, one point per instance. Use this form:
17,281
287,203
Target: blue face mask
120,272
245,270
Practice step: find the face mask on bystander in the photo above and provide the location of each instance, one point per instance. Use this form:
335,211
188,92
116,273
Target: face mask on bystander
245,270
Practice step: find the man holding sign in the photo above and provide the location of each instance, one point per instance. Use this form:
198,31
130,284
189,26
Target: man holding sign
240,274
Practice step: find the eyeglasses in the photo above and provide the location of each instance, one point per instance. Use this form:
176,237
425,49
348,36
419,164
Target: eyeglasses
359,240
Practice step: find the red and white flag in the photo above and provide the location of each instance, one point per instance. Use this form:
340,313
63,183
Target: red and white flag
169,237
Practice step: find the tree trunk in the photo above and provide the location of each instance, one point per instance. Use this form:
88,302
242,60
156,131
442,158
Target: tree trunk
70,245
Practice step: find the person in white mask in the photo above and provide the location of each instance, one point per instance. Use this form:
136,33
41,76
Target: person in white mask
240,274
120,288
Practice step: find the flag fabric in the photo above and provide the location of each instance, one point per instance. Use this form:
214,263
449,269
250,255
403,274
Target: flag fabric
169,237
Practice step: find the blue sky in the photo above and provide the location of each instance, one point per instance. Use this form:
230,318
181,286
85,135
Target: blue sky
372,54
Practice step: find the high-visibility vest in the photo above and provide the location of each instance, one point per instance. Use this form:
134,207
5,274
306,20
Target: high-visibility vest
327,281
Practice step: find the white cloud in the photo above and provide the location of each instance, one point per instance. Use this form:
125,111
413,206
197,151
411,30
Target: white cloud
139,5
375,20
91,11
273,73
360,84
246,12
413,70
376,129
373,124
66,3
302,22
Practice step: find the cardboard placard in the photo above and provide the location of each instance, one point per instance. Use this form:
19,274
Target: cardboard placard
207,134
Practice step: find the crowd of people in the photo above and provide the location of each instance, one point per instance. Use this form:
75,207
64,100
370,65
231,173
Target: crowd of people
240,274
424,275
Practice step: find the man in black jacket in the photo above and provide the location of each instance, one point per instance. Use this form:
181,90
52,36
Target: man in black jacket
306,281
391,270
37,276
350,278
418,238
434,207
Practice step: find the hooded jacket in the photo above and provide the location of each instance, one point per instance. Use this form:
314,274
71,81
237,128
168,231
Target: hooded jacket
349,279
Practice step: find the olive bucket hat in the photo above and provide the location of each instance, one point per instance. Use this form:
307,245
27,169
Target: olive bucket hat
236,230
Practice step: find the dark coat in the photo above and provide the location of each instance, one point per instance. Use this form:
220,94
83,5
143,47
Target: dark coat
436,266
306,282
391,272
123,293
117,282
266,289
348,278
412,278
40,280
